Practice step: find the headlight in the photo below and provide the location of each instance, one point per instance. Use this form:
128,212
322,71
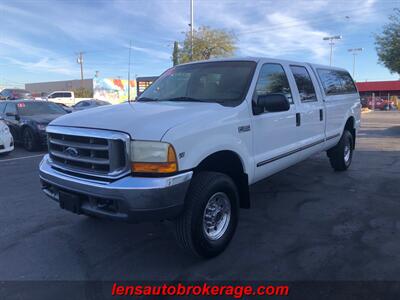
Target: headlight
153,157
41,127
5,129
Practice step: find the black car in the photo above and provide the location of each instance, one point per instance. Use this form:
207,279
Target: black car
91,103
27,120
14,94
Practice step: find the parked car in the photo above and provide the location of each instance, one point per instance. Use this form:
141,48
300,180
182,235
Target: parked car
191,145
91,103
381,104
14,94
28,119
40,96
68,109
6,139
64,97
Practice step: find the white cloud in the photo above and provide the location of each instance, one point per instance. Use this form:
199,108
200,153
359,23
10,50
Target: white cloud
292,29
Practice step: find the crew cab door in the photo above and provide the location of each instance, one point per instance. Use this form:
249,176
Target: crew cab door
274,133
310,110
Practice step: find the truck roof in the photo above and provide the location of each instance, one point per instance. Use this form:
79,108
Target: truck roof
259,58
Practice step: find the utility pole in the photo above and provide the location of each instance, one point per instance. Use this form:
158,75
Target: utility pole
331,40
191,29
80,61
355,51
129,72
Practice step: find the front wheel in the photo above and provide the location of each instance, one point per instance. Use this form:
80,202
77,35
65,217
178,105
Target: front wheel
211,214
29,140
341,155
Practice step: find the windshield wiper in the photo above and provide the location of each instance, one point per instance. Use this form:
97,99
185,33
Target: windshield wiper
190,99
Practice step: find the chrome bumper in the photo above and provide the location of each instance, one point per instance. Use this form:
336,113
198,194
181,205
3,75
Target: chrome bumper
129,198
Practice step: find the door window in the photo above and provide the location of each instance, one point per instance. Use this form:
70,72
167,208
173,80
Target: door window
272,79
10,108
304,84
2,106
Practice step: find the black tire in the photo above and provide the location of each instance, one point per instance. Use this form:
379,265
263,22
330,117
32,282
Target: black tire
341,155
28,140
191,234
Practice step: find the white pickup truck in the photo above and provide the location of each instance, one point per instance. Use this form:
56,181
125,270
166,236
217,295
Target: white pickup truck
62,97
191,145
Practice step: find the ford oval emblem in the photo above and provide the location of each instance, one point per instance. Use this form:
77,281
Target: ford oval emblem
71,152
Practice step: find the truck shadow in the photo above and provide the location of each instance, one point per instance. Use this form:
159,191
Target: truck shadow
305,221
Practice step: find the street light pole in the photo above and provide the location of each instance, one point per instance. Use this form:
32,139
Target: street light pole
355,51
331,40
80,61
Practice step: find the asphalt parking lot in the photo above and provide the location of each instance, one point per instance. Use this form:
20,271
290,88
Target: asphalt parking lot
306,223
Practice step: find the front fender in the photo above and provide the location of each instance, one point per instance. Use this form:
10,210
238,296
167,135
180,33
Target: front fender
196,141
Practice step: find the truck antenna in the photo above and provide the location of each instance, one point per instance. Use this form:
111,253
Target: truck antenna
129,72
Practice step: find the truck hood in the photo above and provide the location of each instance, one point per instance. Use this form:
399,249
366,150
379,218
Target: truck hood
141,120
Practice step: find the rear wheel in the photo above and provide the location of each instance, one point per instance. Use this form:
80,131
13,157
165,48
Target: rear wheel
29,140
211,214
341,155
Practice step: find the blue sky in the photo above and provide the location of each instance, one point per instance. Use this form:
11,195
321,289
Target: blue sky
39,40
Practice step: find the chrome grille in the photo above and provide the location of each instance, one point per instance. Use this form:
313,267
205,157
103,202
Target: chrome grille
89,151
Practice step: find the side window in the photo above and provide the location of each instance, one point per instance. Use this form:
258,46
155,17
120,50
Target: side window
67,95
57,95
331,82
304,83
2,106
10,108
336,82
347,82
272,79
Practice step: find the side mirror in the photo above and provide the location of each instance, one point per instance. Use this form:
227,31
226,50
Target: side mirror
9,114
273,102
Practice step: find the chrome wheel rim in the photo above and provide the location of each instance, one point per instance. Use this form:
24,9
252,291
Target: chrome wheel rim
217,215
347,152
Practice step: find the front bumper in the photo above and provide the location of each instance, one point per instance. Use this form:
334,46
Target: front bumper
131,199
6,144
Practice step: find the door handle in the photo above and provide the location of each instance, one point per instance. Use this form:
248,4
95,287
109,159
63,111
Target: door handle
321,114
298,119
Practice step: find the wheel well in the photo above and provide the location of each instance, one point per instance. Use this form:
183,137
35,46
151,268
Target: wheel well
229,163
350,127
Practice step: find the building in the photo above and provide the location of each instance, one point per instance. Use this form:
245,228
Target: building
114,90
63,85
381,89
379,92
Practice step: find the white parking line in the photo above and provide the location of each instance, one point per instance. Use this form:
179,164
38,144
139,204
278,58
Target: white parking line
17,158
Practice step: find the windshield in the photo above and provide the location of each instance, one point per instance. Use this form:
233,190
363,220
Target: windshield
223,82
39,108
